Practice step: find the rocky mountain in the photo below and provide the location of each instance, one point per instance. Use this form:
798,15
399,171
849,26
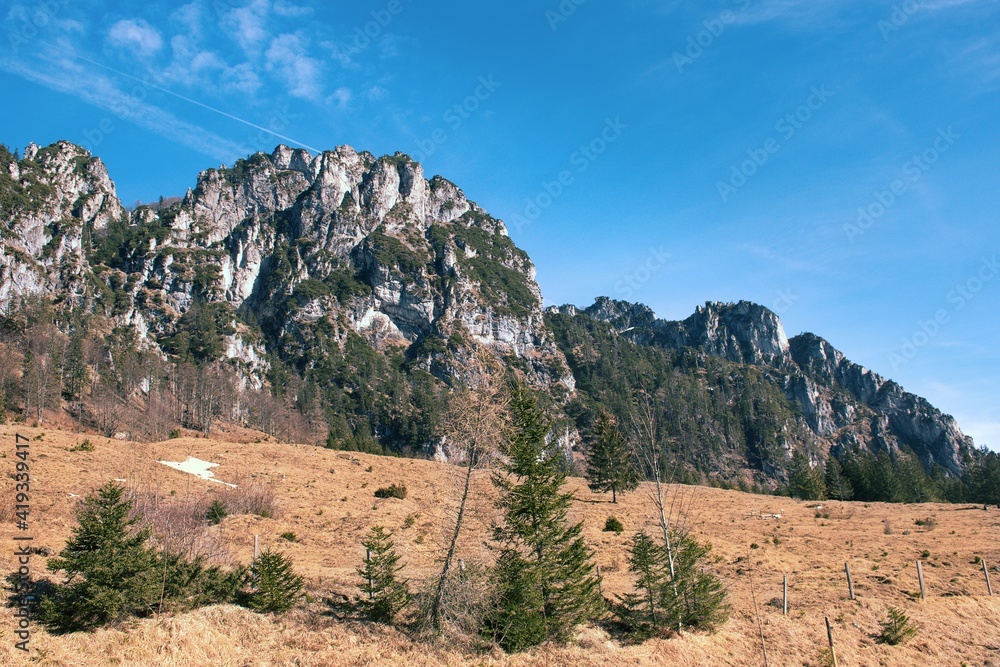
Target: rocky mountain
373,285
307,247
842,403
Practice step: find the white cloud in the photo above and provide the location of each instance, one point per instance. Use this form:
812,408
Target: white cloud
135,35
248,25
127,101
288,10
287,59
241,79
341,98
376,93
190,18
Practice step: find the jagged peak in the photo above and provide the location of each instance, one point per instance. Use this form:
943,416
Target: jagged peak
621,312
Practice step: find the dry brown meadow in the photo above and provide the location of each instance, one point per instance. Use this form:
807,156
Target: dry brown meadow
326,500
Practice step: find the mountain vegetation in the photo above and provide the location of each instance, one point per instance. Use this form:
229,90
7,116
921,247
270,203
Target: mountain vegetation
340,299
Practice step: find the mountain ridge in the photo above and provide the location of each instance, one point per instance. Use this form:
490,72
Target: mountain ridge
315,263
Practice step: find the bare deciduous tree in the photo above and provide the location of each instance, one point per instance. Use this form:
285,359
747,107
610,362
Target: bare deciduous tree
651,446
475,429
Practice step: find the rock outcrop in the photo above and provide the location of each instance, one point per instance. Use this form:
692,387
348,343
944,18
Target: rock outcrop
292,255
336,242
840,401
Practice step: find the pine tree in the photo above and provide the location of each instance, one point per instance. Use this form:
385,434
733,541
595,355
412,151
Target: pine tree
804,481
385,594
544,580
690,598
695,598
276,586
838,486
75,369
643,611
609,460
110,572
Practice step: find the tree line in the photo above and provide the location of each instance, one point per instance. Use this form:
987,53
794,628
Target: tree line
893,477
108,381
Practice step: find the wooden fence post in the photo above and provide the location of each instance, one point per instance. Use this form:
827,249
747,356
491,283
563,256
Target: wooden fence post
784,595
850,582
600,582
829,636
256,547
986,571
920,576
368,558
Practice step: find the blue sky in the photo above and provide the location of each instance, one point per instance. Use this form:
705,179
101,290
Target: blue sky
835,161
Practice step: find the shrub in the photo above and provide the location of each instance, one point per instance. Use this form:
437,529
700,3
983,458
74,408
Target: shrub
613,525
251,496
216,512
392,491
276,586
896,627
188,584
85,446
288,536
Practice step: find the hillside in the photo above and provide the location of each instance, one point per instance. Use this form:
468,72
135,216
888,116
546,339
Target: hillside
326,499
338,298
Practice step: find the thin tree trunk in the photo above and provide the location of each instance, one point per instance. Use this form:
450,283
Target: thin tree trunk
452,547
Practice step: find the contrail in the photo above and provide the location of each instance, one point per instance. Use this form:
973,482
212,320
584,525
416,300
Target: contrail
181,97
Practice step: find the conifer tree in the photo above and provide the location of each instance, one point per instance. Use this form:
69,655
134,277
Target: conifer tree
544,579
385,595
644,609
689,598
838,487
694,598
110,572
804,481
609,459
276,586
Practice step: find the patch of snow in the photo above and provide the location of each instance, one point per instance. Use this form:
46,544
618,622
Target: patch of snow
198,468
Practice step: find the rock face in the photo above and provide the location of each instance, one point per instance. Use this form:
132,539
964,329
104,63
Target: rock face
303,245
53,199
744,332
841,402
902,419
295,256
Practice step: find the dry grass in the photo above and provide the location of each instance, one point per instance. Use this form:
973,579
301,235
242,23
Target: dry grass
327,500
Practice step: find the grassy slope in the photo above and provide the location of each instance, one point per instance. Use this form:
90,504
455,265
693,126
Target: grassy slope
958,623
